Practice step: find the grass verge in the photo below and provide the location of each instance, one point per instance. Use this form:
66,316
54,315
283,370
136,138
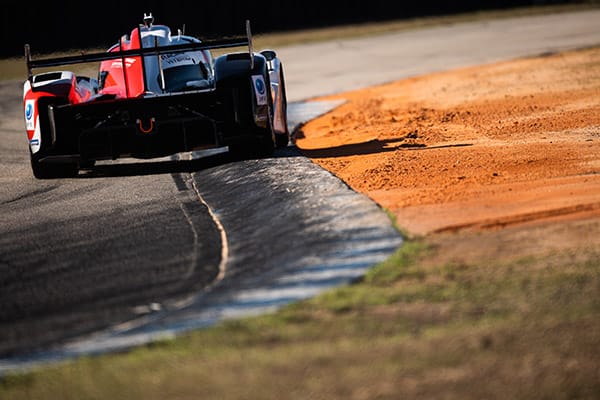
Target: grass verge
417,325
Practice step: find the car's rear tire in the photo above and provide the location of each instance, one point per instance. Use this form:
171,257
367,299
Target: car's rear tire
281,140
262,145
49,170
266,143
43,170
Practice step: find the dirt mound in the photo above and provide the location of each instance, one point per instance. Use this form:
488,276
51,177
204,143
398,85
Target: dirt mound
478,148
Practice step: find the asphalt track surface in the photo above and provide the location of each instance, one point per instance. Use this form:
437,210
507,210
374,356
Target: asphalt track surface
135,251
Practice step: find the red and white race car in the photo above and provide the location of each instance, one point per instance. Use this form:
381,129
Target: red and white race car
156,94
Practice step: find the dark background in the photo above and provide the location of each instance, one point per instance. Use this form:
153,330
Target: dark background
62,25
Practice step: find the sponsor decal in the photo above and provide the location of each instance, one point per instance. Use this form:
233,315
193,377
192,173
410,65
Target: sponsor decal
260,86
34,142
30,115
260,89
177,59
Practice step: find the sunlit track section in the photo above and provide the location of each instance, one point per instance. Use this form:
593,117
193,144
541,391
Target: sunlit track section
327,236
342,236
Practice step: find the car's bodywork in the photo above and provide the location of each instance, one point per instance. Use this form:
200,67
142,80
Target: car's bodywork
156,94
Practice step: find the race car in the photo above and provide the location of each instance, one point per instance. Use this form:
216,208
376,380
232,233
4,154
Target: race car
156,94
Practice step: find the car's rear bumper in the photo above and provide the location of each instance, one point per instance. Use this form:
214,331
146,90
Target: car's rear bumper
148,127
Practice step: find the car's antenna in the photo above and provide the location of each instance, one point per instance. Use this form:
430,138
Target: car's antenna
250,49
27,61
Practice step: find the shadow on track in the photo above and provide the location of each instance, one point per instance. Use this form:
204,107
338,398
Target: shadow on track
139,168
173,166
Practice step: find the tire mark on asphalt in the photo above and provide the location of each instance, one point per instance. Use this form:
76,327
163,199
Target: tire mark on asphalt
31,194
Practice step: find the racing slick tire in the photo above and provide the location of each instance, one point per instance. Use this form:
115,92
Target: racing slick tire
43,170
263,147
48,169
264,144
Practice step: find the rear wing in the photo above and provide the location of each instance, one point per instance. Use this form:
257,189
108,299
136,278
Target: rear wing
238,41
